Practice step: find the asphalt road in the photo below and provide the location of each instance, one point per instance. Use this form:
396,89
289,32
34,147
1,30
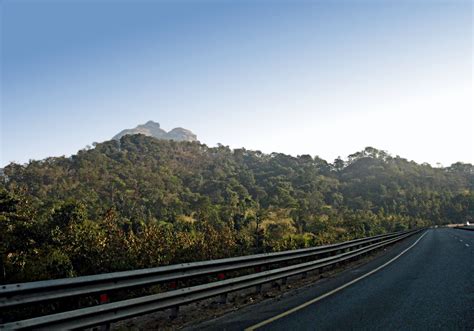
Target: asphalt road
430,286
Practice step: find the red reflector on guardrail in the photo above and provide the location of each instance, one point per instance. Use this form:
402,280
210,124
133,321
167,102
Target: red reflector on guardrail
104,298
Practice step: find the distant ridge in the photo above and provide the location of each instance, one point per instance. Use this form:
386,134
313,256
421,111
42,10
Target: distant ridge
154,130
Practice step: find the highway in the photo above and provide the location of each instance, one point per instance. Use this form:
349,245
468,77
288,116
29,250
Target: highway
425,282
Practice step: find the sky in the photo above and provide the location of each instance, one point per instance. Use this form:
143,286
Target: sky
324,78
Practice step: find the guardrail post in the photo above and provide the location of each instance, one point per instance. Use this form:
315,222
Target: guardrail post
279,283
174,312
103,299
258,288
223,298
304,275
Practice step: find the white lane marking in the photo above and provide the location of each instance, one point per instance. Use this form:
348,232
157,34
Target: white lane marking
466,245
310,302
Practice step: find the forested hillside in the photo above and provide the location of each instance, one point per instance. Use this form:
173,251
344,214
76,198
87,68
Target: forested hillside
141,202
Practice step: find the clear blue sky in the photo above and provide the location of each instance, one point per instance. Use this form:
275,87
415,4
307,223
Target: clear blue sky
323,78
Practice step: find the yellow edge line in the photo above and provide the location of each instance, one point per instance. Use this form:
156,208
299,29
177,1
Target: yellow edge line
310,302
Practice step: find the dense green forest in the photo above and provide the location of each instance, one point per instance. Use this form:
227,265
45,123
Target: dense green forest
142,202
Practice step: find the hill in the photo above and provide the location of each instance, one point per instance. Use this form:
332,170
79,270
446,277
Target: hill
141,202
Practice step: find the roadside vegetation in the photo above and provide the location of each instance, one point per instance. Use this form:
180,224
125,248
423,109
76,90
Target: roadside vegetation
141,202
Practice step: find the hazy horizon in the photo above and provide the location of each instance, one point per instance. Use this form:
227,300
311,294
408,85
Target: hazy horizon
324,78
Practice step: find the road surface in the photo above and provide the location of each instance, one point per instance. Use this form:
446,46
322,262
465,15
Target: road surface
429,286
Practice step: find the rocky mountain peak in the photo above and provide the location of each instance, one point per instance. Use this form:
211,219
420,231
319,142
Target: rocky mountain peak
150,124
153,129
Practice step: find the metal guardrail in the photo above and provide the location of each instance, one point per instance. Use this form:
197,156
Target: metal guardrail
34,292
17,294
468,228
